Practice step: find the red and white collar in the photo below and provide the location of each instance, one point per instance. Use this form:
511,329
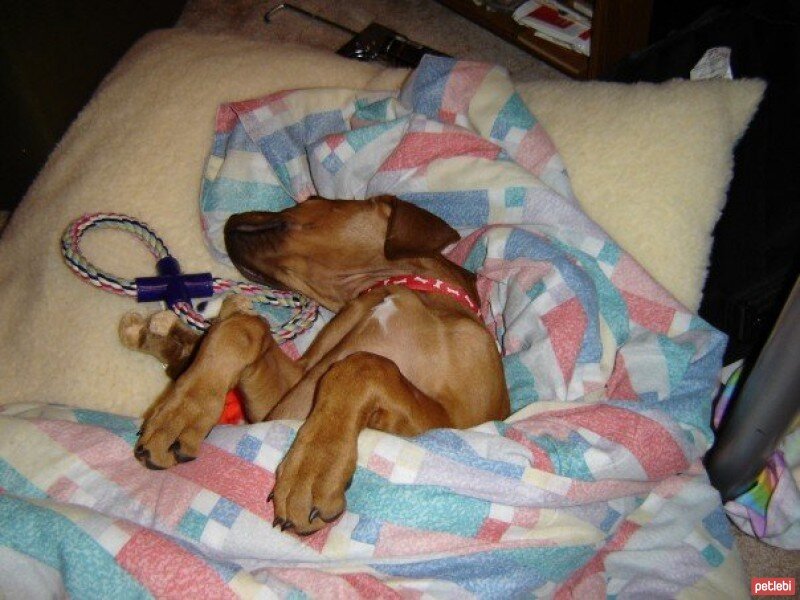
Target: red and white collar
429,284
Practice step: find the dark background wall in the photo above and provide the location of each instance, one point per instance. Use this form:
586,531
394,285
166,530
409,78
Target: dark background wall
53,54
756,254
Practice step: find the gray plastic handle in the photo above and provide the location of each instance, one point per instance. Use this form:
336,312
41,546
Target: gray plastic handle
766,407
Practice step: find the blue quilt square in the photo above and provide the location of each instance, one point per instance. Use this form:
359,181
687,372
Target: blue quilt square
248,447
367,530
225,512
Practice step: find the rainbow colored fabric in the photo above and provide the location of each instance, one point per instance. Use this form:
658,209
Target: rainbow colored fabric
593,488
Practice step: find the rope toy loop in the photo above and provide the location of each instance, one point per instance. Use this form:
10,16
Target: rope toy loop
170,285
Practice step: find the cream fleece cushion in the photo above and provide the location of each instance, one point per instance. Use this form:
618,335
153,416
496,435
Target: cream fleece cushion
139,147
651,164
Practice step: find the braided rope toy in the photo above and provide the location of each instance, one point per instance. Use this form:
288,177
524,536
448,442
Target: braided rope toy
170,285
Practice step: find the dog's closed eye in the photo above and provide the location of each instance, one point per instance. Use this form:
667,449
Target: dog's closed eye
270,226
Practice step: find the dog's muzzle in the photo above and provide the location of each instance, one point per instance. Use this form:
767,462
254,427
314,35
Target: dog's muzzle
253,235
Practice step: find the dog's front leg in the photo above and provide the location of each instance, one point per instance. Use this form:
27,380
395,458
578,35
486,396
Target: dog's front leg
237,350
362,390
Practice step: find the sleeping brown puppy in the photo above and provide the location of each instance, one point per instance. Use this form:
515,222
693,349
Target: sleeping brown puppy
407,351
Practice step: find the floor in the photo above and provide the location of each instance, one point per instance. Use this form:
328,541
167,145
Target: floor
423,21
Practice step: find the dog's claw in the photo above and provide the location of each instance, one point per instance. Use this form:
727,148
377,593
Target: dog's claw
277,521
180,457
313,514
333,518
271,496
140,452
152,466
286,525
183,458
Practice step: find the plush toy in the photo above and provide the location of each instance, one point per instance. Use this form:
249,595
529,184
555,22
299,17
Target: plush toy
164,336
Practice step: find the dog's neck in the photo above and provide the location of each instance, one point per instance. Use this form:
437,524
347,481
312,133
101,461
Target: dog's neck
437,267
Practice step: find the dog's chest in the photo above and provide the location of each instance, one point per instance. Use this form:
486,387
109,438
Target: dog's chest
402,328
384,313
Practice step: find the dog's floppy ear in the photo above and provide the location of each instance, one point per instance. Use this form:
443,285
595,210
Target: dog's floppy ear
413,232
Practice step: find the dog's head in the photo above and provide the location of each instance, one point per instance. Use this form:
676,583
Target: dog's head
326,249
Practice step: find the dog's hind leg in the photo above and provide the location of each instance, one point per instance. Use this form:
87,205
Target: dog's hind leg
362,390
237,350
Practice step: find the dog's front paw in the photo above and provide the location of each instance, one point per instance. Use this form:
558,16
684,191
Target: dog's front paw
176,426
311,482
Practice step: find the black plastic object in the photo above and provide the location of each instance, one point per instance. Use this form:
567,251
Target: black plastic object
379,43
763,411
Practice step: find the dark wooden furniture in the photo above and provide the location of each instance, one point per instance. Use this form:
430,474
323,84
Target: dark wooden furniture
619,27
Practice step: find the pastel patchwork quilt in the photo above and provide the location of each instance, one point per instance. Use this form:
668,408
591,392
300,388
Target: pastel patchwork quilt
593,488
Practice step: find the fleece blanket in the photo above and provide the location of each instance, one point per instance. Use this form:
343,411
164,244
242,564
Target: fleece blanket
594,487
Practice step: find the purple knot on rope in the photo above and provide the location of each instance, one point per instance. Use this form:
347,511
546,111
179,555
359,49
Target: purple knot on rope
171,286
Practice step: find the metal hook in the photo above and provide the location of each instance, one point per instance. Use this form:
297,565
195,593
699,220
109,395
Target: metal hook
305,13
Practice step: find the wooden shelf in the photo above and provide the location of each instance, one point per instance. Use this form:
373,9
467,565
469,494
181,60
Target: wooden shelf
619,27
